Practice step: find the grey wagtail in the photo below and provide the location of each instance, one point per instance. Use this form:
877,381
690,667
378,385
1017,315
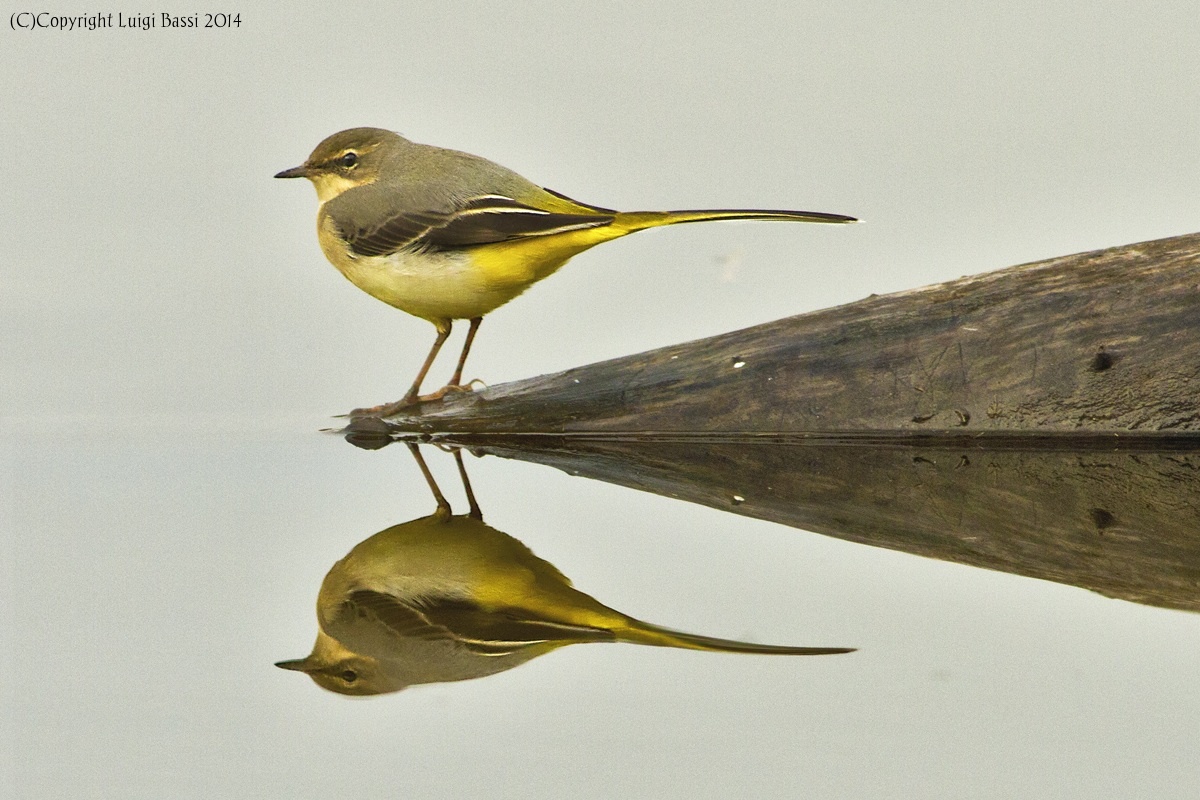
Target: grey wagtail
445,235
448,598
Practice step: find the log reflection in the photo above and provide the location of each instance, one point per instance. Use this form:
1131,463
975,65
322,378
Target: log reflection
1118,517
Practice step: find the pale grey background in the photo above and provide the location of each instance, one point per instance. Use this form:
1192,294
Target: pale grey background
173,339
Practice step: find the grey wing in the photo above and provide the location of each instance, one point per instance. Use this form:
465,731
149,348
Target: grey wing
485,219
397,618
496,632
461,622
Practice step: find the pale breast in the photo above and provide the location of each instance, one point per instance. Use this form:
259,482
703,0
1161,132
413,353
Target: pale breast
433,286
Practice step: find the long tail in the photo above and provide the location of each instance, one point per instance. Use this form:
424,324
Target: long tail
645,633
638,220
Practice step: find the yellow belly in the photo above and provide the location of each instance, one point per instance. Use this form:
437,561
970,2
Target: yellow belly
460,284
433,286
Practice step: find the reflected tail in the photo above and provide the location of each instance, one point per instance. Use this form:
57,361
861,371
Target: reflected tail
645,633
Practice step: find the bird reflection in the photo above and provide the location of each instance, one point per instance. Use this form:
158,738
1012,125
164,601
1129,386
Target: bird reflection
447,598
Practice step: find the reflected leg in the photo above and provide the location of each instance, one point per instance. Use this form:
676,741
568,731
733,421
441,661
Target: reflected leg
443,506
474,513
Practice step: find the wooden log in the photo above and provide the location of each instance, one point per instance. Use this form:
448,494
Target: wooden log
1100,342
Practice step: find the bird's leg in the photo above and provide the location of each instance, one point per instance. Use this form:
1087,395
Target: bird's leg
455,384
411,397
443,333
443,506
474,513
456,379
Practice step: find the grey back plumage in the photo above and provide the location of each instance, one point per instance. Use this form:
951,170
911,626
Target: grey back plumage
431,198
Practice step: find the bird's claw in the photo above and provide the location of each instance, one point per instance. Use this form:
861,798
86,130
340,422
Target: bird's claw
385,410
390,409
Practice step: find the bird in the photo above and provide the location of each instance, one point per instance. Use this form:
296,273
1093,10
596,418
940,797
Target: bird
447,597
445,235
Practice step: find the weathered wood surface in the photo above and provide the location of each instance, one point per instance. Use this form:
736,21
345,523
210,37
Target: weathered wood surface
1107,341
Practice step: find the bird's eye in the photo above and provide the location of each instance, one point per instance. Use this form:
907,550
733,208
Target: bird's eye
349,676
349,159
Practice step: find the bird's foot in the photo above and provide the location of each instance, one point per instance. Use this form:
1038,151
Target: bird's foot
385,410
390,409
452,388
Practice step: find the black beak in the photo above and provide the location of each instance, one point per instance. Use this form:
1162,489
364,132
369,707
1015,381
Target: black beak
301,171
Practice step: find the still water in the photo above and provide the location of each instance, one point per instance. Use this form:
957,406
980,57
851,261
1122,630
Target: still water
159,571
174,340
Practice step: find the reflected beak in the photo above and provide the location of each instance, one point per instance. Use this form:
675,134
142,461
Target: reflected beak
301,171
299,664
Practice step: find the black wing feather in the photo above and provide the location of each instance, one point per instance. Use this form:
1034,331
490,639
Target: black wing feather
401,619
482,220
395,234
506,629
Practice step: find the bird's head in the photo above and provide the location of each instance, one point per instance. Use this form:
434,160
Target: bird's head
333,667
347,159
